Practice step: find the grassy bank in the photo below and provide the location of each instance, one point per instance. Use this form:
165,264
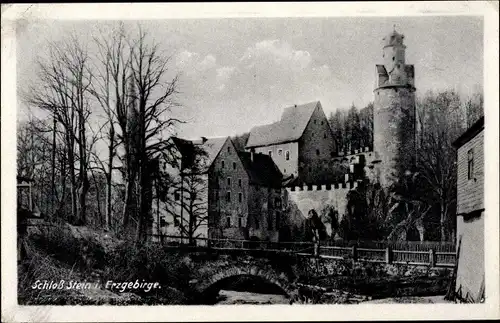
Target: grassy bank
80,255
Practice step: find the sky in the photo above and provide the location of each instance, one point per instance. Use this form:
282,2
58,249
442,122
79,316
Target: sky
239,73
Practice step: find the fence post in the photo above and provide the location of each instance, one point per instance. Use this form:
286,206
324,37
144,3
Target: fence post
354,252
432,258
388,255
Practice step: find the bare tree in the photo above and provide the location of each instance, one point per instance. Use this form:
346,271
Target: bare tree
152,100
111,92
62,90
441,119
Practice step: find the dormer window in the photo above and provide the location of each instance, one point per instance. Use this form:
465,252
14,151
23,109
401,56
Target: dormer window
280,152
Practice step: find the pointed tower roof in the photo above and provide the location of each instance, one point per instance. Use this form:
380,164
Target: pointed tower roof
393,38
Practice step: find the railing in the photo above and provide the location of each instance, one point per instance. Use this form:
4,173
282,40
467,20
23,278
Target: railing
412,253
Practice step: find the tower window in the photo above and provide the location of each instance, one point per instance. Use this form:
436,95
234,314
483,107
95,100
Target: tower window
228,196
177,196
257,225
240,197
222,164
239,182
240,222
229,181
229,150
287,155
228,222
324,136
317,152
234,165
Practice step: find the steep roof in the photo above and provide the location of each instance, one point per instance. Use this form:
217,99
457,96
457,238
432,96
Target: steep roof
262,170
190,149
290,128
470,133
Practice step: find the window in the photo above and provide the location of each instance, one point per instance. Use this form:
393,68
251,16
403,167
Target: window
317,152
287,155
177,196
234,165
269,222
228,197
228,150
229,181
284,170
314,121
240,222
270,152
322,122
393,58
324,136
228,222
470,164
163,223
278,220
280,152
277,202
240,197
239,182
257,224
222,164
176,222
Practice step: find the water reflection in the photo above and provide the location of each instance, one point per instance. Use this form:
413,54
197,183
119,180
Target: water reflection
238,297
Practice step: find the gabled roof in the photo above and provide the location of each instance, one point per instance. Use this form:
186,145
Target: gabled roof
192,150
469,133
290,128
262,170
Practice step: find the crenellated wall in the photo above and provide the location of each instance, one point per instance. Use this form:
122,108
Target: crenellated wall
302,199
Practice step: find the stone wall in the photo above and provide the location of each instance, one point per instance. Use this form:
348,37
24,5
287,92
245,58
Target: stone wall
302,199
470,273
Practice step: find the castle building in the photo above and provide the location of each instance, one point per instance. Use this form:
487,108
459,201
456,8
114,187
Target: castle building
245,195
301,143
181,189
394,119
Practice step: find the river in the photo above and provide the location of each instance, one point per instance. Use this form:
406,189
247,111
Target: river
236,297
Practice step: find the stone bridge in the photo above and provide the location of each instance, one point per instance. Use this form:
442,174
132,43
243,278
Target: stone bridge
286,274
213,272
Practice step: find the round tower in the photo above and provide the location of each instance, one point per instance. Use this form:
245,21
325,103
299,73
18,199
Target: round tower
394,112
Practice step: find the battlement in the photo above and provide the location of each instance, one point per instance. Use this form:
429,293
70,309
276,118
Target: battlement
326,187
354,152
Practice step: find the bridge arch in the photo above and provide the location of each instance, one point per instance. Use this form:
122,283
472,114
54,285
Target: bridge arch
212,281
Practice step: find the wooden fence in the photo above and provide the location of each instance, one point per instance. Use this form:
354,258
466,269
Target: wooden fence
428,253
